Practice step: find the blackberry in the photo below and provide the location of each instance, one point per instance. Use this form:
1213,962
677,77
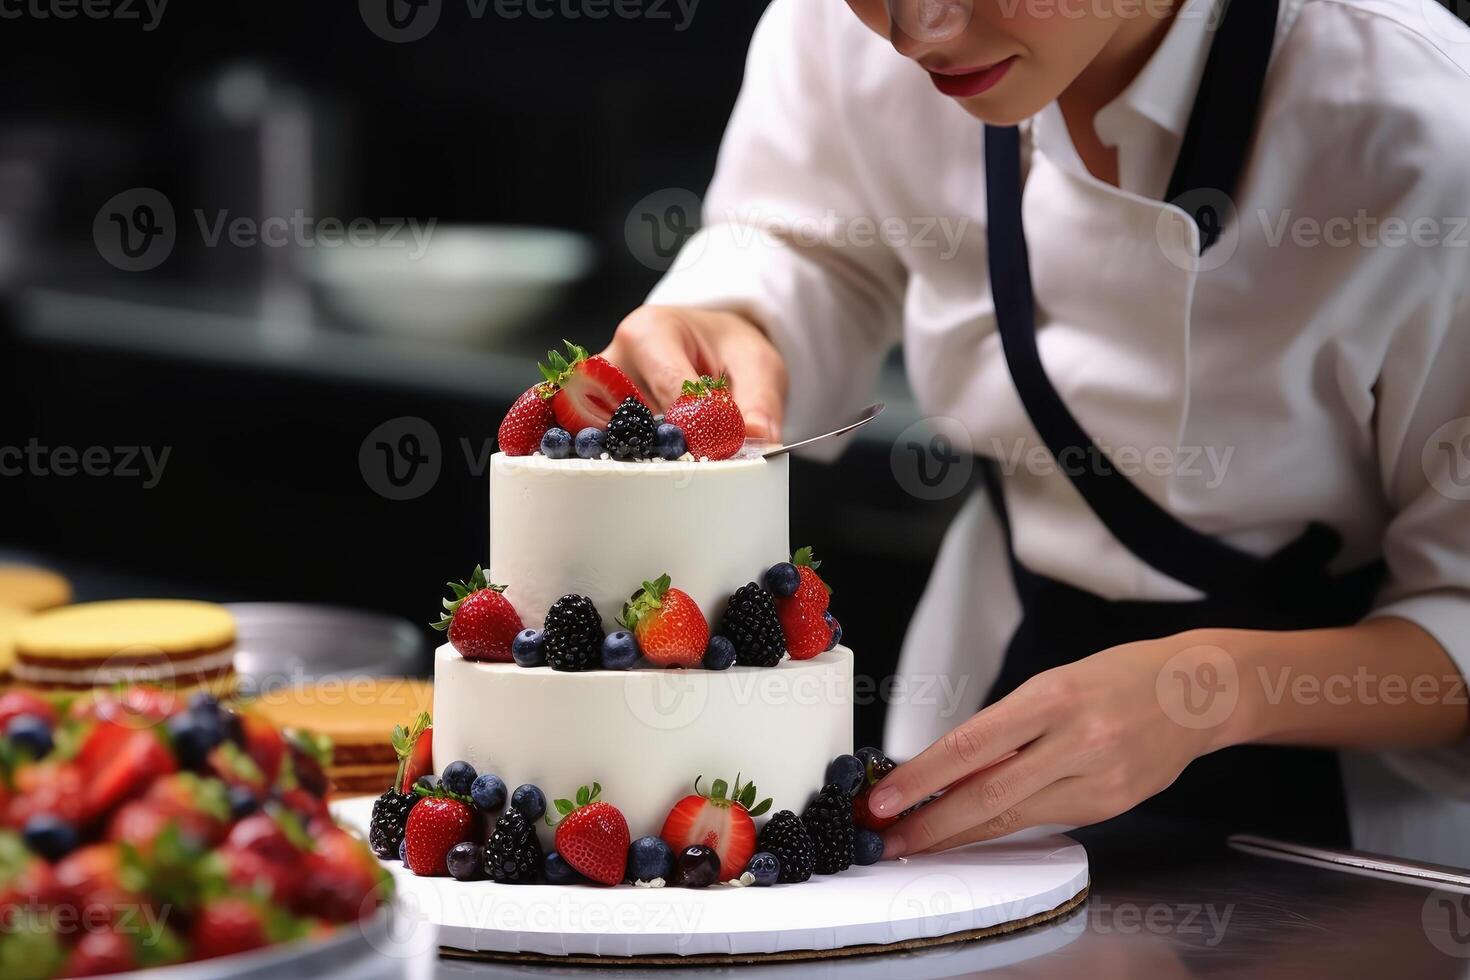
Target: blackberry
573,634
513,854
828,820
785,836
632,433
390,816
751,624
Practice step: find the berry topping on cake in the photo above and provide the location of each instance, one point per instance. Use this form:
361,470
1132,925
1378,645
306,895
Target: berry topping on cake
390,818
590,442
867,847
558,872
573,634
786,837
530,801
435,824
414,747
482,623
650,858
804,617
696,866
782,580
587,389
720,654
528,649
458,777
526,422
631,433
488,792
828,820
847,771
619,651
670,629
669,441
836,629
466,861
876,765
752,625
721,820
712,423
513,854
593,836
764,868
557,443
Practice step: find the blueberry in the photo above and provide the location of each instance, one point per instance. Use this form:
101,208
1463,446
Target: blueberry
590,442
670,443
619,651
466,861
403,851
848,772
488,791
49,836
720,653
529,648
458,777
696,867
867,846
31,733
194,736
650,858
782,579
556,443
868,755
204,703
429,782
243,802
835,627
764,867
557,871
530,801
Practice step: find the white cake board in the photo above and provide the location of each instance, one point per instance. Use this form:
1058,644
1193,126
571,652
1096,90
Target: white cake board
972,892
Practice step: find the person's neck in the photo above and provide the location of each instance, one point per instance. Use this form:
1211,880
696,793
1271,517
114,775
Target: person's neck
1104,79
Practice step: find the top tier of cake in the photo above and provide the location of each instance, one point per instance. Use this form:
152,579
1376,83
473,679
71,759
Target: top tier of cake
601,528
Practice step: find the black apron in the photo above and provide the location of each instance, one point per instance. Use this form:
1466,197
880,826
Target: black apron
1288,792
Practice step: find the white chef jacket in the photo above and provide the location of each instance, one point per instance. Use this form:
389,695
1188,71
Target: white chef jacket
1313,365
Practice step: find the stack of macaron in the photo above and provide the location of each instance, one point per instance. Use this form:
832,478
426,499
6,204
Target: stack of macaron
24,591
357,716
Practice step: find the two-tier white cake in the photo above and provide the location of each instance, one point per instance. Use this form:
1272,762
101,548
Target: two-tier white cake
600,528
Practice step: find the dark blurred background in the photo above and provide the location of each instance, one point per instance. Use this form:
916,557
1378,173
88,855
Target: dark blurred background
141,151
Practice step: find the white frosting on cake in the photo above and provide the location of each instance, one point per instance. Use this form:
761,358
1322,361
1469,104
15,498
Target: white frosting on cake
646,734
601,528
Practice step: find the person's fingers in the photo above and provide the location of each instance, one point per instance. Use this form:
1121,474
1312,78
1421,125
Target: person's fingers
977,799
981,741
757,380
654,348
1054,804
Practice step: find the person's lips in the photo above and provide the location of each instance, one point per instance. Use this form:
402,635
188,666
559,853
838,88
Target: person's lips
965,83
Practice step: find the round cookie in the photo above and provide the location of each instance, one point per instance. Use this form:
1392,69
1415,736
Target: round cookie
32,588
10,621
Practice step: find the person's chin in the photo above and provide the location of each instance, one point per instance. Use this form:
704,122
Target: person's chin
1008,103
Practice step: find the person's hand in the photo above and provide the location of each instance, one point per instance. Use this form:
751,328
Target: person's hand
1074,745
661,347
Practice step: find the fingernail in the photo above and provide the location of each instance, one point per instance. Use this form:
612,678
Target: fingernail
885,800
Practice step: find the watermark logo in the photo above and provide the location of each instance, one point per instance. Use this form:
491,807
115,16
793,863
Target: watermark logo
1446,920
929,906
401,459
135,230
1212,213
1446,459
665,700
659,227
934,21
933,459
400,21
1199,687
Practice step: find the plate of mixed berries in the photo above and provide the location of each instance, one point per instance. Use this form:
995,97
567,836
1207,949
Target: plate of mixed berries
140,829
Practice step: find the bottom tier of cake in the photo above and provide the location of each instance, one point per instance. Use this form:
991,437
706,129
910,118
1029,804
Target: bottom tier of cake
646,734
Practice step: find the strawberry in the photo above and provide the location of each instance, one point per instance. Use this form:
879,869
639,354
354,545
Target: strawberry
53,788
21,702
307,758
139,760
593,836
89,870
100,953
264,744
225,925
415,749
343,880
670,629
812,590
267,850
862,816
721,822
25,879
587,390
480,620
803,615
435,824
712,423
527,421
135,706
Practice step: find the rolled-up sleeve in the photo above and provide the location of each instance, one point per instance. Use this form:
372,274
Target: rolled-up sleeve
786,235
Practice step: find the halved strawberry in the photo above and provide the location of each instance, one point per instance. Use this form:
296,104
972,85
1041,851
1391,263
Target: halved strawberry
712,423
592,836
527,421
415,749
139,760
588,388
671,630
717,820
480,620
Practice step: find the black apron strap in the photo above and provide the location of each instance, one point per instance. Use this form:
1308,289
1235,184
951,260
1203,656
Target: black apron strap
1135,519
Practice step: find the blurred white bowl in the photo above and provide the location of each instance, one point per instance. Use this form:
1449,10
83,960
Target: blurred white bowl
464,284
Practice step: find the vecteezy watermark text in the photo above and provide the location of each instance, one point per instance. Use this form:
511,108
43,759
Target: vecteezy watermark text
126,462
148,12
